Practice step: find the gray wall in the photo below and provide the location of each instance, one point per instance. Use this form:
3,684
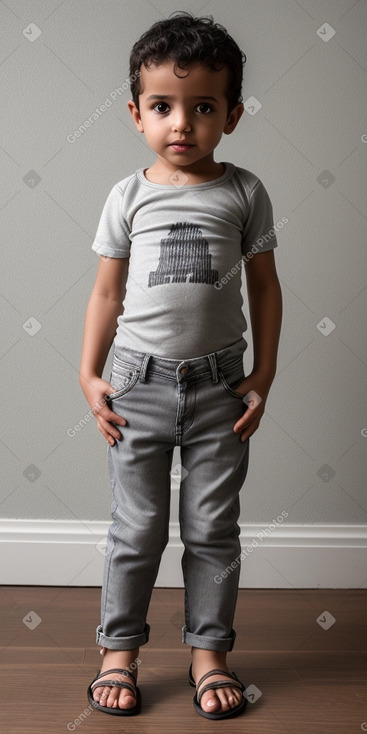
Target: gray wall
312,120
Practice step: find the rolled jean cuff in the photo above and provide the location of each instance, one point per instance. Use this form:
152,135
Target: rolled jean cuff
223,644
122,643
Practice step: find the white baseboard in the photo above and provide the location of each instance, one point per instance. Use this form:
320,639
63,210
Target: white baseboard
71,553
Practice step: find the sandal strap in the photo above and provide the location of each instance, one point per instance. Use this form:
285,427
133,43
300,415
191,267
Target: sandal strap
118,683
114,684
218,684
216,671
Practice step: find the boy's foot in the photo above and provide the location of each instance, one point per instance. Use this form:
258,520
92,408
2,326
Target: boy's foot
219,700
114,696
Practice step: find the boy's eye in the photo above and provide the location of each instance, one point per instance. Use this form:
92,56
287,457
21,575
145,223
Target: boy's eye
160,104
164,104
205,104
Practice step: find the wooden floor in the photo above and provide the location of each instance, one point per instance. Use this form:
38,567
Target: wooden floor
310,680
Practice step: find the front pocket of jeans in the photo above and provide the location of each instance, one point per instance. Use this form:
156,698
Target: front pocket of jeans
123,377
231,378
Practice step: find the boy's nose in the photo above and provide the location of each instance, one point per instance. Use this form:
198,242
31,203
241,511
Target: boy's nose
181,123
181,128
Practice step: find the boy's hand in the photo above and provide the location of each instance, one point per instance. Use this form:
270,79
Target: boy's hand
256,387
95,390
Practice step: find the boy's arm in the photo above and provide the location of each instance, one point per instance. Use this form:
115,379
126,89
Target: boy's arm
104,306
265,305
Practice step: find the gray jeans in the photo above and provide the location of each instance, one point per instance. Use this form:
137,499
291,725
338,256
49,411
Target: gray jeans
193,404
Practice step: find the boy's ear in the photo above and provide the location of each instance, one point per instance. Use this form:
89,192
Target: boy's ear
233,118
135,114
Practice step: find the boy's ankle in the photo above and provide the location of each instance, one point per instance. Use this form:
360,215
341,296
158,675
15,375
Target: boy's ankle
127,658
200,654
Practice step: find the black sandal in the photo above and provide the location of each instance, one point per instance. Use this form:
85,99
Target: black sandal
217,684
121,684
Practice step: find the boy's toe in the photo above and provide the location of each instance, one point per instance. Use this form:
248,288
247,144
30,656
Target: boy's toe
105,694
220,699
114,696
126,699
222,695
97,693
210,702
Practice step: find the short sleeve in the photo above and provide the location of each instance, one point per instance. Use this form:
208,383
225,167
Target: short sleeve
259,233
112,236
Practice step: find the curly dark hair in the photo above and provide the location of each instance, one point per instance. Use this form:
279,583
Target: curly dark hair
185,39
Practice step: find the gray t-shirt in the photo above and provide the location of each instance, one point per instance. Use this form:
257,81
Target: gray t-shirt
186,245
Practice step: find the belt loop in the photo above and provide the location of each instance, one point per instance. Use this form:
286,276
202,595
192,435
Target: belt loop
143,367
213,365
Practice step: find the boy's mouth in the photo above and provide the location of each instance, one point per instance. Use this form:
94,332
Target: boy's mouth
180,146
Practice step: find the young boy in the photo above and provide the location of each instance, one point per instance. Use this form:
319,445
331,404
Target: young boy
172,239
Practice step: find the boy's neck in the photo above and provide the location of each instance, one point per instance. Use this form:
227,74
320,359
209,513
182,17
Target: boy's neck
162,175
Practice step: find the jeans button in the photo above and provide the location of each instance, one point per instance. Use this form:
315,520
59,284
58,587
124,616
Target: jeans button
184,369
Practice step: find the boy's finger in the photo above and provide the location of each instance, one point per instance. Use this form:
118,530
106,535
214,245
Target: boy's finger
111,416
115,418
245,421
109,431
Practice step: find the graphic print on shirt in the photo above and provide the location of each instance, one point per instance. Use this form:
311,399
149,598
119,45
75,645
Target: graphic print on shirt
184,257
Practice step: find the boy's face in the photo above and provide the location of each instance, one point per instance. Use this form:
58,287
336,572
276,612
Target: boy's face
189,116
